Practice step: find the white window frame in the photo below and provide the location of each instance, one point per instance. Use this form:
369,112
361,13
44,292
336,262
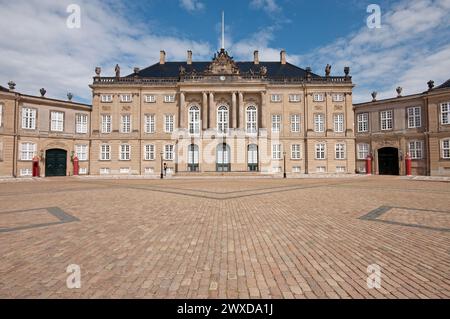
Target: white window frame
387,120
363,151
106,98
319,122
415,149
445,113
363,122
124,152
296,151
27,151
169,152
149,152
125,123
320,151
339,123
276,98
276,151
251,119
295,123
149,123
81,123
82,151
57,121
339,151
105,152
194,120
29,118
445,148
338,97
169,123
169,98
295,98
318,97
276,123
149,98
223,119
414,117
106,123
24,172
126,98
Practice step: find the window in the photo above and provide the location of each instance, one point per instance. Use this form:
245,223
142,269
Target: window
276,151
363,122
125,152
125,123
1,115
276,123
168,152
149,170
106,123
296,169
252,120
194,120
169,123
81,151
320,151
169,98
341,169
294,98
27,151
386,120
81,123
149,98
445,113
275,98
125,98
26,172
28,118
149,152
295,123
321,169
416,149
363,151
319,123
1,151
414,117
105,171
338,97
222,119
57,121
124,170
149,123
295,152
318,97
445,146
82,171
339,123
107,98
105,152
340,151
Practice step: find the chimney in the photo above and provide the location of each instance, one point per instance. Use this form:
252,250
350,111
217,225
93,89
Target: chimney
189,57
256,57
162,57
283,56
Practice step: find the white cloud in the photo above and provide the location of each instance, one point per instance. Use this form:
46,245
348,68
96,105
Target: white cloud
270,6
192,5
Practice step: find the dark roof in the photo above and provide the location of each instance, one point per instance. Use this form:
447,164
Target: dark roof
444,85
172,69
3,89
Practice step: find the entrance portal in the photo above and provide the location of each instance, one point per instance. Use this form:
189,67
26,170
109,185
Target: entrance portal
388,161
223,158
55,162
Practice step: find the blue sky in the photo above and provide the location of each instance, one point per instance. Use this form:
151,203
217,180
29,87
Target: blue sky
410,48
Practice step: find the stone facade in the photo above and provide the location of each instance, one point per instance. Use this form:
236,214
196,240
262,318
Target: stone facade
420,129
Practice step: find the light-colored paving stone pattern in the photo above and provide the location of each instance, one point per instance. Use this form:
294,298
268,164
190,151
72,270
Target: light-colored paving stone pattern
235,238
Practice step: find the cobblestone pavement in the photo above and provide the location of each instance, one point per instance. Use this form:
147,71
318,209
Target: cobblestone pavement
217,238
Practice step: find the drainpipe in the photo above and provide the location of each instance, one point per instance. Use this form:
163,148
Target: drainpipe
15,136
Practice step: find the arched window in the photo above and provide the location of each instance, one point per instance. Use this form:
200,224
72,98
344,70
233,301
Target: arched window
252,119
194,120
193,155
222,119
223,159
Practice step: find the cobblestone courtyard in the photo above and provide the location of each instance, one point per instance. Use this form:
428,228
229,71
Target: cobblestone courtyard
225,238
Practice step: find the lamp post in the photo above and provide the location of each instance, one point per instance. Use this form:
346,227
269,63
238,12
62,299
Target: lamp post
162,173
284,169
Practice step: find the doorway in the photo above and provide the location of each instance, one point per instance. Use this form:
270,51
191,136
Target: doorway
388,161
55,163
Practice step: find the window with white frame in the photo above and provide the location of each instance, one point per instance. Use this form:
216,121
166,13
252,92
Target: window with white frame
106,123
252,116
296,169
125,123
26,172
81,151
276,123
57,121
340,151
125,152
319,122
363,151
169,120
194,120
386,120
222,119
416,149
275,98
363,122
296,152
295,123
149,123
339,123
414,117
338,97
169,98
82,171
81,123
276,151
27,151
445,113
318,97
321,169
105,152
445,148
106,98
149,152
149,170
105,171
341,169
124,170
149,98
169,151
320,151
126,98
294,98
28,118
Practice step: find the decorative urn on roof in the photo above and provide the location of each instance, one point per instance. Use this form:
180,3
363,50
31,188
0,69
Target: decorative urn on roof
69,96
12,85
98,71
327,70
374,96
43,91
430,84
399,91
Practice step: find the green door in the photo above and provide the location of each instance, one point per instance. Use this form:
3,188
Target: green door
55,163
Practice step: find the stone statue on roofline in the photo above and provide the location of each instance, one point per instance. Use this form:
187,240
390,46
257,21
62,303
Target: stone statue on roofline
327,70
117,70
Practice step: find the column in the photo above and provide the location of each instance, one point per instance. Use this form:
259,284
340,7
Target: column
241,111
205,111
234,112
263,111
181,122
211,110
